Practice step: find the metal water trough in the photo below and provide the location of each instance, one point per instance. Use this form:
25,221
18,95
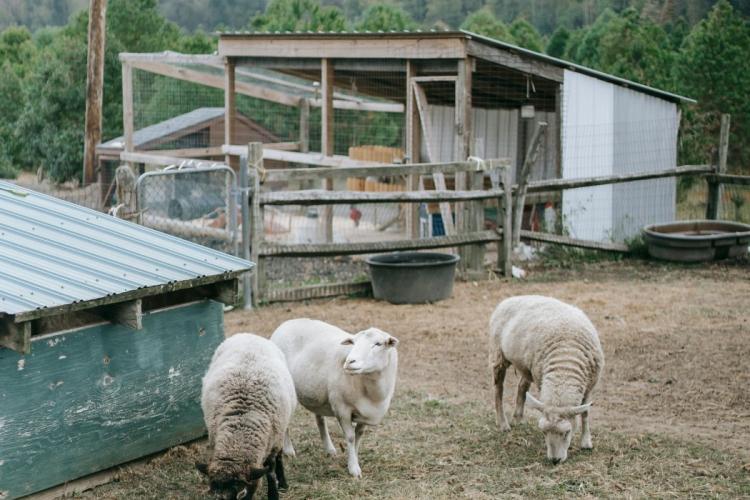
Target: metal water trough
412,277
697,240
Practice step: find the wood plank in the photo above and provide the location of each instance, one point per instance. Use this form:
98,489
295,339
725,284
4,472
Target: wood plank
128,314
89,399
537,141
216,81
324,197
510,59
312,250
326,134
318,291
170,57
562,184
573,242
424,118
186,152
336,46
94,87
15,336
436,78
301,158
382,107
743,180
413,145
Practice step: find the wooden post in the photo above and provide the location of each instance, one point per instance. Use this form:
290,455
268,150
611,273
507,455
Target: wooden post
127,106
304,125
326,136
714,186
531,155
505,245
247,222
230,106
94,87
466,213
255,166
413,146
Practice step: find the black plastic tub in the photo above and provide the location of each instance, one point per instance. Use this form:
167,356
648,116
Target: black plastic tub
697,240
412,277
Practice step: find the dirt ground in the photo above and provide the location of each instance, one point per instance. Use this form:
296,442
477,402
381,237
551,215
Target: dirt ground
676,342
671,416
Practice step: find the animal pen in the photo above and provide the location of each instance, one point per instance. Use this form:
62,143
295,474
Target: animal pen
375,142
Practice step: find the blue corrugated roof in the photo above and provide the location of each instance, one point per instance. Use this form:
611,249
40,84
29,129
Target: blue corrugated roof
54,253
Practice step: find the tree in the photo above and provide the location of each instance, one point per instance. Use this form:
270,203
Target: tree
713,67
558,42
299,15
385,17
526,35
483,22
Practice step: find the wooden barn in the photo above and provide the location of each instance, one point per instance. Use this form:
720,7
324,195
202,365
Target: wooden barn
106,329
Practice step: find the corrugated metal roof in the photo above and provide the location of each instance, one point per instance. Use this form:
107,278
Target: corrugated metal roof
54,253
167,127
480,38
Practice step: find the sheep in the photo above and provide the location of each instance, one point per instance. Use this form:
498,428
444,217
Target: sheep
350,377
556,346
247,399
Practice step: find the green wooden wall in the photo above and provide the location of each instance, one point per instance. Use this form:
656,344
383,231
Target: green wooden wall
89,399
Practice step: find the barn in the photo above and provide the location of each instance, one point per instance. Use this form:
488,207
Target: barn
462,94
106,328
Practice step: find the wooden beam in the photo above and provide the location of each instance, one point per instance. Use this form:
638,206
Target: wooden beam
743,180
317,291
573,242
562,184
187,152
325,197
510,59
216,81
15,336
383,107
313,250
326,134
713,201
413,145
127,106
537,140
424,118
94,87
170,57
436,78
230,106
129,313
321,46
304,125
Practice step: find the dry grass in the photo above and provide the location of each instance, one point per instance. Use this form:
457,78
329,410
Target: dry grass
671,418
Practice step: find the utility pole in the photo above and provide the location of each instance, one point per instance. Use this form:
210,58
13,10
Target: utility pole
94,86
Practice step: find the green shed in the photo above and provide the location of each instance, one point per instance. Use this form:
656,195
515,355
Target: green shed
106,329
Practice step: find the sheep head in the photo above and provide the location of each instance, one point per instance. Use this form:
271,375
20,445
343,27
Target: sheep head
370,352
557,425
227,485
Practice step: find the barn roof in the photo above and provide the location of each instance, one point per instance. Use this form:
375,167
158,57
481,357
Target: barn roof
58,257
423,51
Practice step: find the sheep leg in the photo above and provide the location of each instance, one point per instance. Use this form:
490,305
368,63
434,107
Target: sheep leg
324,436
347,427
358,431
288,447
280,472
523,386
498,371
273,486
585,430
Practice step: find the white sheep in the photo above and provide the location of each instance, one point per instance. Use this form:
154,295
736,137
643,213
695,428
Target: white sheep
556,346
247,399
350,377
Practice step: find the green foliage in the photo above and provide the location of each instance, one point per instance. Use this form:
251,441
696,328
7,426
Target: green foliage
558,42
714,68
384,17
484,22
526,35
299,15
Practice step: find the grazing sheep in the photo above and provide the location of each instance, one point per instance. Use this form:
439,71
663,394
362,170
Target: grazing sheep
554,345
248,399
350,377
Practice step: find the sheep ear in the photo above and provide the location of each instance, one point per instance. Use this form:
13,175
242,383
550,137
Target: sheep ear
534,402
575,410
202,468
391,342
348,341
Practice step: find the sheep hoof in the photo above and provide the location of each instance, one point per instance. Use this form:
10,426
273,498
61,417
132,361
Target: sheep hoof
331,451
503,426
355,471
586,444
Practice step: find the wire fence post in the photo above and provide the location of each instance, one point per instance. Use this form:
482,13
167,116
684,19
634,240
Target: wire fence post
244,190
714,186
